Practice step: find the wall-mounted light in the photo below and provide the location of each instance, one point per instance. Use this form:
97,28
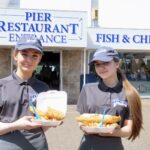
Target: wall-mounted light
94,14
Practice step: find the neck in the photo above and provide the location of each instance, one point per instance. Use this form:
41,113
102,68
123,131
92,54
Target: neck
23,75
111,82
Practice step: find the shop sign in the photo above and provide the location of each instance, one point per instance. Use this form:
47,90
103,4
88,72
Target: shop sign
119,38
53,28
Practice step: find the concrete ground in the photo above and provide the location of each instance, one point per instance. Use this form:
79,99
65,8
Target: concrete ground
68,135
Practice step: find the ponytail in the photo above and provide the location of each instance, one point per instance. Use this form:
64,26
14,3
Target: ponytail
135,106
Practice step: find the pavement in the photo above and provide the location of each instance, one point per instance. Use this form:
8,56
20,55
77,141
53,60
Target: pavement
68,135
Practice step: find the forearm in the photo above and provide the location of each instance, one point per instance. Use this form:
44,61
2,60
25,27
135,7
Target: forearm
23,123
7,127
123,132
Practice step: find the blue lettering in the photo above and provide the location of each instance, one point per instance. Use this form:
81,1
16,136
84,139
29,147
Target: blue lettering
107,38
32,16
28,15
17,27
73,28
10,26
47,28
38,27
115,38
141,38
136,39
31,28
64,28
56,29
44,38
99,37
24,26
14,37
53,39
11,38
2,26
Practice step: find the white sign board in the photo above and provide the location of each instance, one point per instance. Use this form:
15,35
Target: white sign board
53,28
119,38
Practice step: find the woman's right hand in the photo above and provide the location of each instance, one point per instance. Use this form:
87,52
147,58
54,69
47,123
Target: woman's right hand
25,123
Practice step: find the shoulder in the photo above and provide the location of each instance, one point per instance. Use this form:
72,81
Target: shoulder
6,80
41,84
91,85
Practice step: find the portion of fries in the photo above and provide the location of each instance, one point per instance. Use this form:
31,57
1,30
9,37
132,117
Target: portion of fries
50,114
94,120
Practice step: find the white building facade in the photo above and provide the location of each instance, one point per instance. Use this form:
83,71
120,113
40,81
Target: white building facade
68,45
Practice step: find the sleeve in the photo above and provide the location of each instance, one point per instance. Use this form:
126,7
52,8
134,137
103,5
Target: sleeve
45,87
127,115
41,86
82,102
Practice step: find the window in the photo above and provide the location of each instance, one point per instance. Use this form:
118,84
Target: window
136,67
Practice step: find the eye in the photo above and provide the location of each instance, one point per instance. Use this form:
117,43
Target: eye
35,56
24,54
106,63
97,65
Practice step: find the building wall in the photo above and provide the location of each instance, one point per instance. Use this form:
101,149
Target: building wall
5,62
71,74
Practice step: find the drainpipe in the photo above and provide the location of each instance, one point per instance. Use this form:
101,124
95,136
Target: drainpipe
84,67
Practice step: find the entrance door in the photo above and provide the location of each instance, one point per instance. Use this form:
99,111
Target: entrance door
49,70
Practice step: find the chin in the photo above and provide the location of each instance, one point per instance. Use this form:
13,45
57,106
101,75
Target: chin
27,69
103,75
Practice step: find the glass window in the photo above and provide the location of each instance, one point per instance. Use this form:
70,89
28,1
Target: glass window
136,67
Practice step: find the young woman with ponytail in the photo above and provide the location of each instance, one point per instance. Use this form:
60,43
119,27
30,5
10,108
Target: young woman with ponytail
117,94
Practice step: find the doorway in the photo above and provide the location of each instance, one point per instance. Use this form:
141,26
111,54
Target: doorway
49,70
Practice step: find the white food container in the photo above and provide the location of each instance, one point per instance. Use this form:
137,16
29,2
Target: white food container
54,99
98,129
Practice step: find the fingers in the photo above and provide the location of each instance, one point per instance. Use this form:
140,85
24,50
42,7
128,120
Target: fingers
105,134
27,118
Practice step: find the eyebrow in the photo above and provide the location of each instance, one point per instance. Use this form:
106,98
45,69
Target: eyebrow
34,51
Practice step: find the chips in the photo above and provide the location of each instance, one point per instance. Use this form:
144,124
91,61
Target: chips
94,120
50,114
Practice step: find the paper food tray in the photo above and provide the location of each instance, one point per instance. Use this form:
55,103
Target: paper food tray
54,99
98,129
51,123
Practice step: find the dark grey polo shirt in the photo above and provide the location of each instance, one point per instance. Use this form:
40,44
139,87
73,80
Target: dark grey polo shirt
14,104
93,100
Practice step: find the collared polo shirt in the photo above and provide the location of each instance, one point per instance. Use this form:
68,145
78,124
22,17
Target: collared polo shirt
15,94
94,100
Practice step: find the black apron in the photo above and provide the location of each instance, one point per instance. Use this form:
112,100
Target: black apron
23,141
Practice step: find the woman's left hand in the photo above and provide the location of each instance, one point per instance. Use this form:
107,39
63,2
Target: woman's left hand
124,131
112,133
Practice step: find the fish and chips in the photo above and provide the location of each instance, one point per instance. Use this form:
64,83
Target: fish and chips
94,120
50,114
